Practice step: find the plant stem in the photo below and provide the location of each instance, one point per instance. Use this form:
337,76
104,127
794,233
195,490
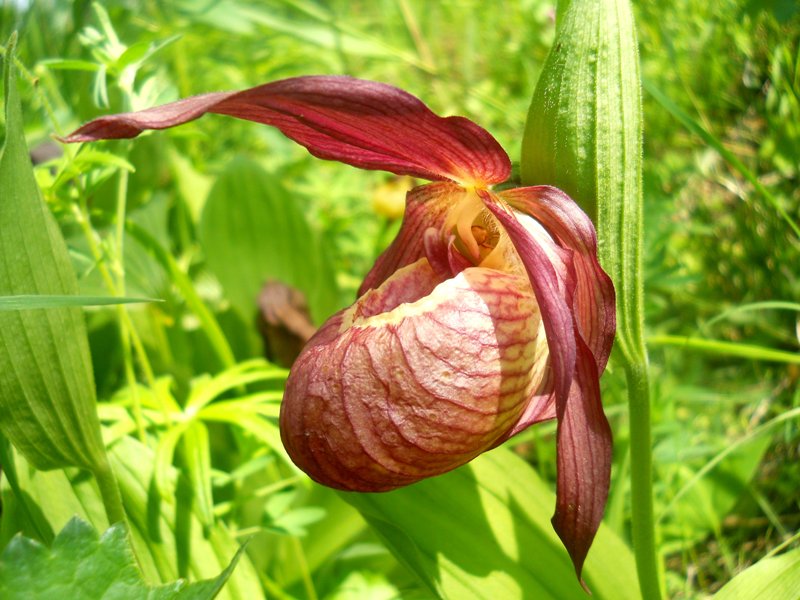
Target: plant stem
109,492
122,313
641,465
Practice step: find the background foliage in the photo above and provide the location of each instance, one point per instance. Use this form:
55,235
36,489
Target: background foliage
217,206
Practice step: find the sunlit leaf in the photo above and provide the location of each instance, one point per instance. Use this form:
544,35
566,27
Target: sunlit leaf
254,230
775,578
196,453
484,531
168,538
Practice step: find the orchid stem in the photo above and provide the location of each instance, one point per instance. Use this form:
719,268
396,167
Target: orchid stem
641,461
110,493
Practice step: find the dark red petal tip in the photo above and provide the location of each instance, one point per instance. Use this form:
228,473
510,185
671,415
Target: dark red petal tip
584,460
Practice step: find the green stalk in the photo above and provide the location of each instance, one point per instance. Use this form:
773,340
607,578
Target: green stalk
641,457
109,493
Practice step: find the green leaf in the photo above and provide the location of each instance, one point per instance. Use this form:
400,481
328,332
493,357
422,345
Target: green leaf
31,302
196,454
774,578
252,230
168,538
483,531
141,51
47,393
704,502
69,64
80,564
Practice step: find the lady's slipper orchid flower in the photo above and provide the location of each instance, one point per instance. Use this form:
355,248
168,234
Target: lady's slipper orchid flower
489,312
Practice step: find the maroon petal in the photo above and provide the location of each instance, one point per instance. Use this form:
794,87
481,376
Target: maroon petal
363,123
584,461
427,207
584,437
570,227
553,284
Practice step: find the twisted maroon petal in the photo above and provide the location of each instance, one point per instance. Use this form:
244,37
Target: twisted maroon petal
553,284
584,436
594,299
584,460
362,123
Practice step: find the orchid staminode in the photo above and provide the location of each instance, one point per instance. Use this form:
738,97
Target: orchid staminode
488,313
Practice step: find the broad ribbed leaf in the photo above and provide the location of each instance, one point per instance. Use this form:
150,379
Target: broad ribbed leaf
363,123
584,135
252,231
47,393
484,532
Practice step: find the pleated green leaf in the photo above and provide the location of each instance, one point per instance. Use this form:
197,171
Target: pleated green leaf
484,531
47,393
584,135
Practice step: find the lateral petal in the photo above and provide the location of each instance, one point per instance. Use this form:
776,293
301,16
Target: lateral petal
594,298
366,124
584,436
584,460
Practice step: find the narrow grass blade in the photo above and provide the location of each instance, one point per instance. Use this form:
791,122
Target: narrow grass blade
756,306
710,465
39,301
724,348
